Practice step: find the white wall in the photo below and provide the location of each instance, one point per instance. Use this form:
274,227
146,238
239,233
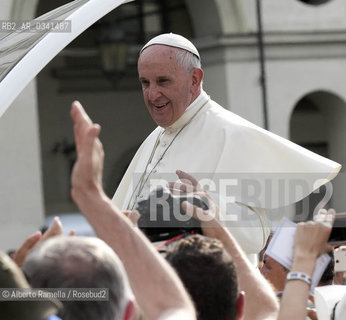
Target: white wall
289,81
245,91
21,204
294,15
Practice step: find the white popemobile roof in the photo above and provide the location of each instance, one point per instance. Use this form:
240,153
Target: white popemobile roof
24,53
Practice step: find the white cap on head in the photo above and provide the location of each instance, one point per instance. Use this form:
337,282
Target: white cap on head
173,40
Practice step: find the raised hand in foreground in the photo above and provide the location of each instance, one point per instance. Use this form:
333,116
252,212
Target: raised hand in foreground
310,242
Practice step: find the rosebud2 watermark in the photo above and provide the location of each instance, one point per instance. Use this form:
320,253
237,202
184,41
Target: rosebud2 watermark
35,26
236,195
62,294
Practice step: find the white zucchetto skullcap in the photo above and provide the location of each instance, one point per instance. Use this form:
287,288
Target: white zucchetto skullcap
173,40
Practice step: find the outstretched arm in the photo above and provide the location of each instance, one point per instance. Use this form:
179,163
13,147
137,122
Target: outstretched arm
310,242
157,288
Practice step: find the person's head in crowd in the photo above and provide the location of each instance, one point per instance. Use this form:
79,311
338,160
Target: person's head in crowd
274,272
170,73
209,275
11,276
82,262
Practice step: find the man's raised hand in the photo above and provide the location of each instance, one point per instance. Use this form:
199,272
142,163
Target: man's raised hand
88,169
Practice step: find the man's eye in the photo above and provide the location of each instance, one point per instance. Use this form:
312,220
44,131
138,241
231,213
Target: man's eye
163,80
144,83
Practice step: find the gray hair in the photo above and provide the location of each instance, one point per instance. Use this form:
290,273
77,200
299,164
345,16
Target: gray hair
80,262
187,60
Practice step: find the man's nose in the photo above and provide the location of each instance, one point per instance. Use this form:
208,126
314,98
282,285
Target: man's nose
153,93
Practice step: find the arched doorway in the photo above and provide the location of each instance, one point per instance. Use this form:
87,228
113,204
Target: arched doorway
318,124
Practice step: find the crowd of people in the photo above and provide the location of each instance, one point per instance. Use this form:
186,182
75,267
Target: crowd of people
206,276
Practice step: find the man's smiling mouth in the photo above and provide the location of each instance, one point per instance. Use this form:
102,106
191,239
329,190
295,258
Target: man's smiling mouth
160,106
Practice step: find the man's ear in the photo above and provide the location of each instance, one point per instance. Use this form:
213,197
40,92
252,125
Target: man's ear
130,310
241,305
196,77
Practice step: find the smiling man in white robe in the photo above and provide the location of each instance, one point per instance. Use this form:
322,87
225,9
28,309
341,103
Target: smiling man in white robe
217,147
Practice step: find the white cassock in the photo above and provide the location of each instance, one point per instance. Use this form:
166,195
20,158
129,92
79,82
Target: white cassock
235,158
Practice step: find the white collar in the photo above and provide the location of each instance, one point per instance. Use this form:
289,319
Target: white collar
189,112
